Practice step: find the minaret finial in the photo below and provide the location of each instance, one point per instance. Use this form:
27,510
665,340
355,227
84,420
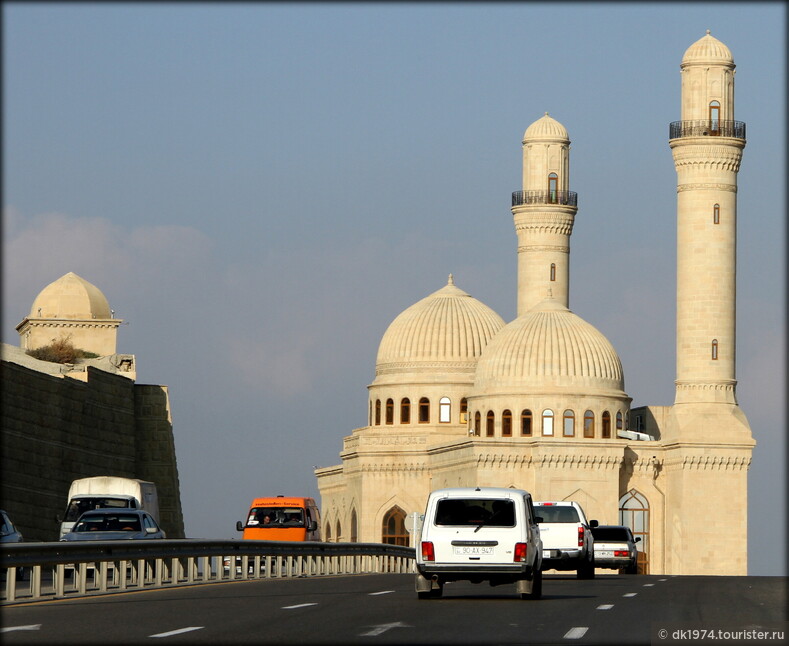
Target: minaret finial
708,32
451,280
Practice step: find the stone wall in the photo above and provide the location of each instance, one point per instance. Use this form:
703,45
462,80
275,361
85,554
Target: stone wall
57,429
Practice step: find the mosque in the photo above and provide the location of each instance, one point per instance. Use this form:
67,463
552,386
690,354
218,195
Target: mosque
462,398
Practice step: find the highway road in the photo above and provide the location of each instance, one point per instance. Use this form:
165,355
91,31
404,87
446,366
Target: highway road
384,609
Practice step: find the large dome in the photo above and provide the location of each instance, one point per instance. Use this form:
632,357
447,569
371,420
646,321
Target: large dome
449,327
546,127
708,50
71,297
549,347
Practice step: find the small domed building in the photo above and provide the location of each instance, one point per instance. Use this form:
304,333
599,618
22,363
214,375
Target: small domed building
461,399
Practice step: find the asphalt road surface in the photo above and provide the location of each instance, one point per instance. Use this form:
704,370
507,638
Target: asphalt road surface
384,609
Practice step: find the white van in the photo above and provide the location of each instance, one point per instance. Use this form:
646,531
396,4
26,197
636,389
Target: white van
479,534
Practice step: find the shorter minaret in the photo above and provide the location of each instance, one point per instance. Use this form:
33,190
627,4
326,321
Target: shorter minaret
544,212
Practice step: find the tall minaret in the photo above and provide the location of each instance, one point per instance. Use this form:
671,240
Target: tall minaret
544,212
707,145
707,443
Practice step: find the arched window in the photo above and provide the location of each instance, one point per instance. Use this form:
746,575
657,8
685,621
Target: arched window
405,411
619,422
377,412
588,424
370,414
393,531
354,528
339,532
634,513
327,532
424,410
569,423
506,423
464,411
553,271
606,424
526,418
547,422
715,349
444,410
553,188
489,420
716,214
477,423
715,118
389,411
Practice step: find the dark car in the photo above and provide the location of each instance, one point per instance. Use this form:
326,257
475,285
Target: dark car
9,533
114,525
615,548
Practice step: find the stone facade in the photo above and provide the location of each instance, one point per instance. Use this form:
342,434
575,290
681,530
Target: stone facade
461,399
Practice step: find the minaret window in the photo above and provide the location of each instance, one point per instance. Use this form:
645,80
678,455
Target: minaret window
547,422
606,424
393,530
715,118
588,424
619,422
553,271
464,411
377,412
354,527
389,411
569,423
506,424
477,422
424,410
716,214
553,188
715,349
526,418
489,421
339,531
444,410
405,411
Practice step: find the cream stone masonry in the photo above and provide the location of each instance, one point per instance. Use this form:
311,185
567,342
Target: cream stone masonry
461,399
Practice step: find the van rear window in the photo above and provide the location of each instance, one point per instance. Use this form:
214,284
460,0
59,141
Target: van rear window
475,511
557,514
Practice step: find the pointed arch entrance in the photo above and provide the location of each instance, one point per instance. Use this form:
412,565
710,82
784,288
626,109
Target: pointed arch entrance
393,529
634,513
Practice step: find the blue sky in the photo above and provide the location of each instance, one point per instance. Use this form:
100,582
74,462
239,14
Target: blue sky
259,189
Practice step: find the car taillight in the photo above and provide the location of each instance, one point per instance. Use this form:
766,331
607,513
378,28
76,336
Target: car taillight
428,553
621,553
520,552
580,537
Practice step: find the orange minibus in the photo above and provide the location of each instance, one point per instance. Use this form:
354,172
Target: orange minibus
282,519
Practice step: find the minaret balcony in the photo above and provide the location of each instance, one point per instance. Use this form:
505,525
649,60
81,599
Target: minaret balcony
566,198
707,128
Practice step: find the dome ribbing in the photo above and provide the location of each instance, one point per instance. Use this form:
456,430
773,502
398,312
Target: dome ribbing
708,49
71,297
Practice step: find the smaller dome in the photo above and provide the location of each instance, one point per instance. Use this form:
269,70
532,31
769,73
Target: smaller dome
447,327
708,49
546,128
71,297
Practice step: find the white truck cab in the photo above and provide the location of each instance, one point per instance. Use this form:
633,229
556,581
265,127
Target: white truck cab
479,534
567,537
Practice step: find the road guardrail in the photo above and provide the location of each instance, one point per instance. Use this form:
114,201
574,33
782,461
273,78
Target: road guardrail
41,571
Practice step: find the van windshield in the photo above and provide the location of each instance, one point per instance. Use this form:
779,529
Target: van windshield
474,512
78,506
275,517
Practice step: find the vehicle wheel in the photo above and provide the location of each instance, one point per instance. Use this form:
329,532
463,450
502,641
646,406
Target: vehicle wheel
586,571
423,595
632,569
437,592
536,587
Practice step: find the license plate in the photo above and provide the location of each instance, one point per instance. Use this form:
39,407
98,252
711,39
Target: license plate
473,551
604,554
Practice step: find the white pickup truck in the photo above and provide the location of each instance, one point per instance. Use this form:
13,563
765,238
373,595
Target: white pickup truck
567,541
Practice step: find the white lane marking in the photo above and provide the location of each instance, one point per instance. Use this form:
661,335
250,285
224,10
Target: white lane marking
382,628
648,585
299,605
606,606
9,629
630,594
662,579
372,594
576,633
178,632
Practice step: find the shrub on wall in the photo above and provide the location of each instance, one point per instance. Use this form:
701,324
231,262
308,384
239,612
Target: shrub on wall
61,351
